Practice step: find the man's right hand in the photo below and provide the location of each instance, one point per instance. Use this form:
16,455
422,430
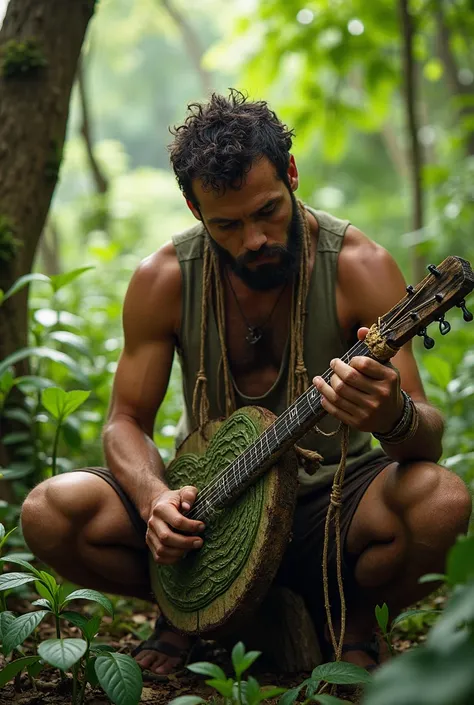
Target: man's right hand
166,515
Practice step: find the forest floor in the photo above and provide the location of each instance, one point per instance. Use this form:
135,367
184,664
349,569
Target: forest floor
131,625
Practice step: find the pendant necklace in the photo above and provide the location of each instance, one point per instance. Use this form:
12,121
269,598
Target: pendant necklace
255,333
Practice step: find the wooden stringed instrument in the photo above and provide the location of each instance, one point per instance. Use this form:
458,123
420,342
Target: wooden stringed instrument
247,510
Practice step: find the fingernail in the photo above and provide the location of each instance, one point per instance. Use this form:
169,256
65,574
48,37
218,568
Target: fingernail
332,363
197,544
202,527
186,506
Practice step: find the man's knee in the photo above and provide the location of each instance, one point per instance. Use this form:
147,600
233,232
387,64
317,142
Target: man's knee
55,510
436,503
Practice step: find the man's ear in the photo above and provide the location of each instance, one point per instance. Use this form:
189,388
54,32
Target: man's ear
292,174
193,209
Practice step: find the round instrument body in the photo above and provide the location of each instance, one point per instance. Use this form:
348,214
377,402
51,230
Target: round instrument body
212,589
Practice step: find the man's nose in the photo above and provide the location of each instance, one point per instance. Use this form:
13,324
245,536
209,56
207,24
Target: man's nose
253,238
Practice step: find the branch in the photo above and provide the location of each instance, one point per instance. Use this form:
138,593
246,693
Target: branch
416,160
100,179
191,44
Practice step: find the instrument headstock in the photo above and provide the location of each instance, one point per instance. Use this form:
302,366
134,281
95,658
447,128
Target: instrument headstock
445,286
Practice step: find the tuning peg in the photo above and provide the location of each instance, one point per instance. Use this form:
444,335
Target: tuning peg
432,269
444,326
467,315
427,341
410,289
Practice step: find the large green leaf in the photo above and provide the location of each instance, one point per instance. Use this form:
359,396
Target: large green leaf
341,672
6,618
60,280
91,595
24,281
460,563
121,678
8,581
61,404
33,382
12,669
71,340
62,653
204,668
47,354
19,561
21,628
411,613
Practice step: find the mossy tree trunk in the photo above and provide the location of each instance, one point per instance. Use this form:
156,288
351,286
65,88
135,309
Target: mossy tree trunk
40,43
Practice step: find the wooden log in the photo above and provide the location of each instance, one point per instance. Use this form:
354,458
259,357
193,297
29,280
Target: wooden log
283,631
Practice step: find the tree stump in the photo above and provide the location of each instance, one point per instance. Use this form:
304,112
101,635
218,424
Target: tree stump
283,631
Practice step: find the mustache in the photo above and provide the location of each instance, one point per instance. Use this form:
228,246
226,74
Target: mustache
264,251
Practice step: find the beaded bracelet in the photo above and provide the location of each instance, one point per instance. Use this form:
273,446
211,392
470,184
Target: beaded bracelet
406,427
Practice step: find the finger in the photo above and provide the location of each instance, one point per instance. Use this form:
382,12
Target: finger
370,368
337,413
362,332
351,376
342,403
172,516
167,537
345,391
188,497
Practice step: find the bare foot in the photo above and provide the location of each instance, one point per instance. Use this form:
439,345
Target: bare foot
160,662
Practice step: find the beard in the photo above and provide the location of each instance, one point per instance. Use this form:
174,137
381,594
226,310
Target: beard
267,276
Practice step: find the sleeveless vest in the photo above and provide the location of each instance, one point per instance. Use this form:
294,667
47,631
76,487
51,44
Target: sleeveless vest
323,340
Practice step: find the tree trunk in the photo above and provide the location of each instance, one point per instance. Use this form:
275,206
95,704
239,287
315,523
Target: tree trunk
40,42
416,159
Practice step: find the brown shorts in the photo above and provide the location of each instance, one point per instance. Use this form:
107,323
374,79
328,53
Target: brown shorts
300,569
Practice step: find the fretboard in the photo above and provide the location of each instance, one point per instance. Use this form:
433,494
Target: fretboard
287,429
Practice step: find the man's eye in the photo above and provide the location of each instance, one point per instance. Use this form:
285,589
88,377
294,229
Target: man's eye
268,211
227,226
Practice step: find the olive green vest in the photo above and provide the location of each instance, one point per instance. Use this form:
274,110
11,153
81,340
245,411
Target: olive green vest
323,341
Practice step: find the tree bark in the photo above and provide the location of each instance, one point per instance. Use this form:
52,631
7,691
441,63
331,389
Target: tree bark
34,103
416,159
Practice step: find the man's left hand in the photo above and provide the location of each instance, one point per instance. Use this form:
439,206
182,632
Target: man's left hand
363,394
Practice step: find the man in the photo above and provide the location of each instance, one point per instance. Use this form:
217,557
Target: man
401,511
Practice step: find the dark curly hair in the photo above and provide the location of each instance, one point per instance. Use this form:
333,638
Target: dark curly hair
221,139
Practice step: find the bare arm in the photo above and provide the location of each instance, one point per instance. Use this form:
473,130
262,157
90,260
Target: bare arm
366,394
151,312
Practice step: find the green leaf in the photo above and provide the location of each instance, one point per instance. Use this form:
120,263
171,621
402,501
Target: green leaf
2,532
62,653
19,561
91,595
268,692
77,619
7,381
43,603
225,688
17,473
46,354
252,692
24,281
440,370
71,340
460,563
205,668
35,669
120,677
92,627
6,618
8,581
290,696
60,280
91,675
187,700
432,577
238,653
33,382
327,699
381,614
410,613
45,593
342,673
21,628
12,669
50,584
61,404
247,661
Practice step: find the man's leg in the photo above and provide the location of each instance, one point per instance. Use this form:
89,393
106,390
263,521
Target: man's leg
407,520
77,524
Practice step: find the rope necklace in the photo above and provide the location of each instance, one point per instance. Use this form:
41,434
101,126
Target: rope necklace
255,333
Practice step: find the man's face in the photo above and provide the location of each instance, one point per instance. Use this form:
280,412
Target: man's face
256,230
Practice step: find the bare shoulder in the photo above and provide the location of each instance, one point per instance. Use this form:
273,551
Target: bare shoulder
153,301
368,277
